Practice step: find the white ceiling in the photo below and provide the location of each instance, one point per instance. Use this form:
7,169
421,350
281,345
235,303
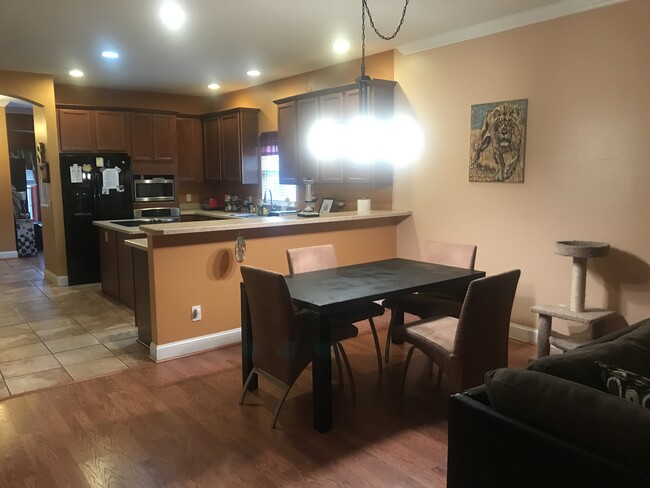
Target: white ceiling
222,39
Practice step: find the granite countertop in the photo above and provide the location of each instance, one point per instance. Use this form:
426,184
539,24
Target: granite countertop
141,243
229,221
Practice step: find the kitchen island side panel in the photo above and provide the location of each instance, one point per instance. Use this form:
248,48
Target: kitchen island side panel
200,269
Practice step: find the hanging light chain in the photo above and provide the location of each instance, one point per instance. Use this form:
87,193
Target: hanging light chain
365,7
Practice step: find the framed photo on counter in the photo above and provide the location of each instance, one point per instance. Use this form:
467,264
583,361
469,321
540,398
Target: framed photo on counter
326,205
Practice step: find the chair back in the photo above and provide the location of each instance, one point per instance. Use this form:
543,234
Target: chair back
481,342
312,258
280,341
450,254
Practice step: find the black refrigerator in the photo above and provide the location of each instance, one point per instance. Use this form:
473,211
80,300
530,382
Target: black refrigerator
94,187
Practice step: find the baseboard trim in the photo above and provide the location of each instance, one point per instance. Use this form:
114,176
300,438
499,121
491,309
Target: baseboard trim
523,333
173,350
55,279
8,254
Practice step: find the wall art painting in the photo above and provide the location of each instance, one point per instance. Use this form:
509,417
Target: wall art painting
498,141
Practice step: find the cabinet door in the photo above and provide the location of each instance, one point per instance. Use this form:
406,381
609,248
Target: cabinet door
287,144
307,115
111,131
164,138
212,145
230,148
331,107
76,131
189,134
141,137
249,134
354,172
125,269
108,263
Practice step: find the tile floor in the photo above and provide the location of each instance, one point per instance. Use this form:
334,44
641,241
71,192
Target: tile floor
54,335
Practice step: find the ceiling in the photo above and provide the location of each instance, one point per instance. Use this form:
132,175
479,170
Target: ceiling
222,39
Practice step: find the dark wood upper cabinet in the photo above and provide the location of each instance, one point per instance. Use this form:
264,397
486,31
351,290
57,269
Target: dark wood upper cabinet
212,145
307,116
231,146
189,133
111,130
296,116
76,131
331,107
287,143
153,137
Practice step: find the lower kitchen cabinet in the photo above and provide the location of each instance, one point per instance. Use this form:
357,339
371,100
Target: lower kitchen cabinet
142,304
116,264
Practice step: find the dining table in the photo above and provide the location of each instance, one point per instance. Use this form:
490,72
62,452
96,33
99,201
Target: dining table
328,291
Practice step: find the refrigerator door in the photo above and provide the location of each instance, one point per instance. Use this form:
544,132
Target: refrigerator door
83,202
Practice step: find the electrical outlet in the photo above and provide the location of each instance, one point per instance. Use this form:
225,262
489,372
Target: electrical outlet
188,197
196,313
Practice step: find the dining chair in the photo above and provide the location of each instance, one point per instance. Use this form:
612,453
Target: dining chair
315,258
428,304
476,342
282,346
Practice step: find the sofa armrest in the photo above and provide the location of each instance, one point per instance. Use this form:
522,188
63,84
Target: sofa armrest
487,448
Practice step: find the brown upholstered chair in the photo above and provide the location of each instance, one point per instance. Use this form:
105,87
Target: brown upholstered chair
447,302
281,336
477,342
314,258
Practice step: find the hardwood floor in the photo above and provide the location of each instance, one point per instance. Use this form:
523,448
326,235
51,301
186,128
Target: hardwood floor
178,424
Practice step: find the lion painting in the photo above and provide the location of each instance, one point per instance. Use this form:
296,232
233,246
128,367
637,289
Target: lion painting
498,141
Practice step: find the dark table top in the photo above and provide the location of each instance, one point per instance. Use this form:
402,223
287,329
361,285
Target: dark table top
331,289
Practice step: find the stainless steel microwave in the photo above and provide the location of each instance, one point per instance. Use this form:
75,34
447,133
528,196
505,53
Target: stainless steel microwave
153,189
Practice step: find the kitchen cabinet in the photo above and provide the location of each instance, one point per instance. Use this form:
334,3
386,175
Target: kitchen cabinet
296,116
111,131
287,143
108,263
125,269
153,137
76,131
190,149
93,130
231,147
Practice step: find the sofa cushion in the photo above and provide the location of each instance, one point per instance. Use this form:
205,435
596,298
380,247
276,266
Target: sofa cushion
591,419
630,352
625,384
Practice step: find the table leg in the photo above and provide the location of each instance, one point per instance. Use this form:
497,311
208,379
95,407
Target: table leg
322,373
246,340
543,335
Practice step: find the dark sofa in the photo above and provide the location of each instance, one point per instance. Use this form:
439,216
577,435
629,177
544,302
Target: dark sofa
554,424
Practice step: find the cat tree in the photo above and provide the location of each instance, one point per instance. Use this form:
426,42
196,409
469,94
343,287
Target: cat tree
580,251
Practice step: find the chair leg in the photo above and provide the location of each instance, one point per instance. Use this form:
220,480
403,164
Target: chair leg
277,409
245,389
377,346
406,368
396,318
347,366
339,368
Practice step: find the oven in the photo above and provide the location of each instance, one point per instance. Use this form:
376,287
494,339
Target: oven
153,188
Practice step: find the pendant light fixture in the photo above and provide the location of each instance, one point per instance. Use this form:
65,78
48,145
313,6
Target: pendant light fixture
365,139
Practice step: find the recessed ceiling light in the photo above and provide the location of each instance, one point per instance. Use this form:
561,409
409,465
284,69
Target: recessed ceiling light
213,86
341,46
172,15
110,54
253,72
76,73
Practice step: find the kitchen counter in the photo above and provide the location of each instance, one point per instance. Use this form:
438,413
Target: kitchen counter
231,223
214,214
140,244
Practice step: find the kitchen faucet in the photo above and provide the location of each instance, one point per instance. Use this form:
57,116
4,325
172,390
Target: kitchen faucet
270,195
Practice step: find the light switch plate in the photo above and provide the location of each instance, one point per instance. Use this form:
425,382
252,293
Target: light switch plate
188,197
196,313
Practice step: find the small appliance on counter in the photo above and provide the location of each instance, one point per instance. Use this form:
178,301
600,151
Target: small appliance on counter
94,187
308,210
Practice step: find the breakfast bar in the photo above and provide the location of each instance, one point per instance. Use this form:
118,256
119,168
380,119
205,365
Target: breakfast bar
192,264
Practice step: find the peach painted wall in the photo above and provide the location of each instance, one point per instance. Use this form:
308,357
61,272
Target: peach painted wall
200,269
587,169
7,235
39,89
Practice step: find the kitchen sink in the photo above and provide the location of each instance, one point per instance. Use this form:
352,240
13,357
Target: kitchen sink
280,213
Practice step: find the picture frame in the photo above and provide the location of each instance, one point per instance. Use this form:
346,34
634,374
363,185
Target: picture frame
326,205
